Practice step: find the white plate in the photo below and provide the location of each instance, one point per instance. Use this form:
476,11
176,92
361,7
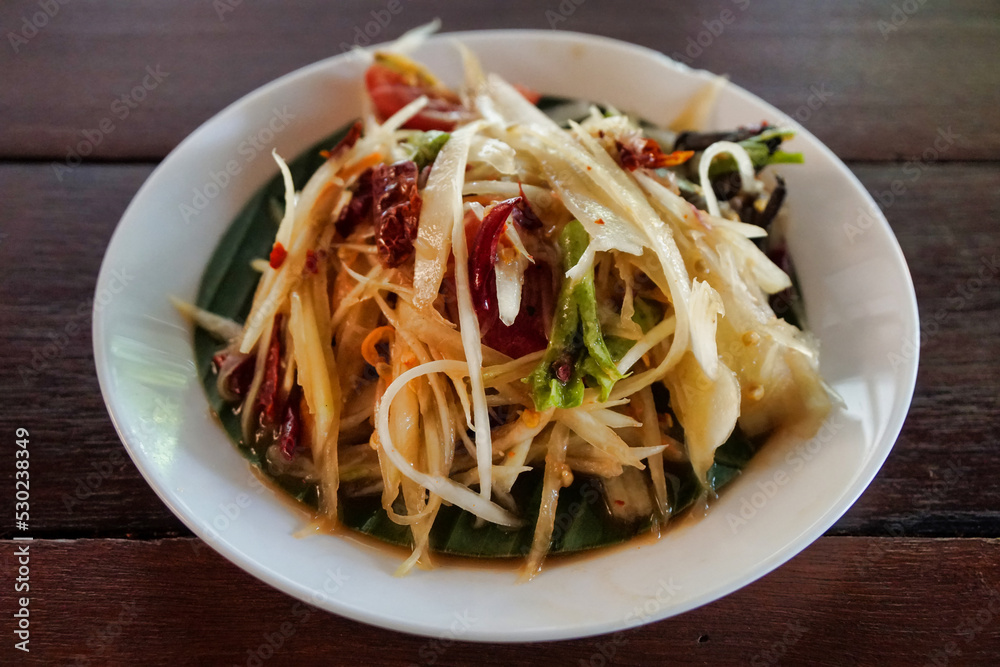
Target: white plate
858,291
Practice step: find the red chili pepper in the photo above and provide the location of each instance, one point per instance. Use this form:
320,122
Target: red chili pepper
347,142
240,376
523,214
396,207
311,262
483,256
526,334
278,255
290,431
359,209
267,398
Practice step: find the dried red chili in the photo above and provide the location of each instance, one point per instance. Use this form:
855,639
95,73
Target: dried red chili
638,152
267,397
523,214
359,209
290,431
347,142
239,371
396,210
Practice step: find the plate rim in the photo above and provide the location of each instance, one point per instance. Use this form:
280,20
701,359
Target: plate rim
894,421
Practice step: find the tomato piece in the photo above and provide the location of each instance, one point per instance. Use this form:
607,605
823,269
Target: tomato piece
390,91
527,93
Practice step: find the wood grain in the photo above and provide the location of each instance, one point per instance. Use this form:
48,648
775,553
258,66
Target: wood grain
871,81
910,601
952,247
54,237
878,82
939,480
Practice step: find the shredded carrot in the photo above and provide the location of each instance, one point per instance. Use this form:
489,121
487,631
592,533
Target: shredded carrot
369,160
677,157
374,337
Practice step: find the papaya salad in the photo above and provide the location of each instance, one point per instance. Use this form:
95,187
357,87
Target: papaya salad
471,291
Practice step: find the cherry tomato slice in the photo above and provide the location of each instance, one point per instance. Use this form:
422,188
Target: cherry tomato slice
390,91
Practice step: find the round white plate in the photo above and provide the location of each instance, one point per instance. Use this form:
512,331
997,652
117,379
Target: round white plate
857,288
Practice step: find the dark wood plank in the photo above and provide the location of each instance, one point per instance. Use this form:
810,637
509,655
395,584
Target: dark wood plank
881,81
940,479
54,237
952,247
116,602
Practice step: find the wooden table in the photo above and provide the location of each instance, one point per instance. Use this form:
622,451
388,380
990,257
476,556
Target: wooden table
910,575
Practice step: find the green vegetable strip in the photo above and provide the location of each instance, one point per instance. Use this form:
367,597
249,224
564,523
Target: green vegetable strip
423,147
546,390
575,321
647,313
585,296
586,299
760,153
